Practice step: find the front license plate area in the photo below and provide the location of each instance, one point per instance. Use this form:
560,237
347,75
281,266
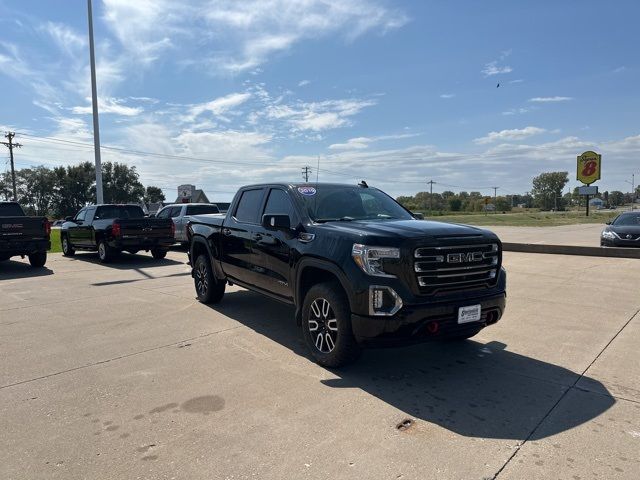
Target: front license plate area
471,313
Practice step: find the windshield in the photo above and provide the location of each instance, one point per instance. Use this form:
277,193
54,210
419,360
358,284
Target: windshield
119,211
628,219
326,203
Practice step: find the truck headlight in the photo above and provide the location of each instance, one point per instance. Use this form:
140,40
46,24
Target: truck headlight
370,259
609,235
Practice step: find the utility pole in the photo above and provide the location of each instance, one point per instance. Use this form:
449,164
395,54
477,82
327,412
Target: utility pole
633,191
495,198
431,182
9,136
94,102
306,171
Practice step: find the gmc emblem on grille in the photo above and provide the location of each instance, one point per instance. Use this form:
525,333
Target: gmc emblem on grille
464,257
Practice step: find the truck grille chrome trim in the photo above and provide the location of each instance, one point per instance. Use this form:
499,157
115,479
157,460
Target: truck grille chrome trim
457,267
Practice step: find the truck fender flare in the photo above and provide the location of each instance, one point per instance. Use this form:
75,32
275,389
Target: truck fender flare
322,265
215,264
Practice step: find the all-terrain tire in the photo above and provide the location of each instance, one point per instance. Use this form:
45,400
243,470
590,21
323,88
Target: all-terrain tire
158,253
105,252
209,289
326,326
67,247
37,260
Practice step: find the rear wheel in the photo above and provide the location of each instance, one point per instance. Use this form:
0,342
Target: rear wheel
67,248
158,253
208,288
105,252
37,260
326,326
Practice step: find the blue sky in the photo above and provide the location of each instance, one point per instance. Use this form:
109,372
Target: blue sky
226,93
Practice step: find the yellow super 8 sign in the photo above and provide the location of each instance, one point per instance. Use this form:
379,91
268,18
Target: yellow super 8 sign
589,167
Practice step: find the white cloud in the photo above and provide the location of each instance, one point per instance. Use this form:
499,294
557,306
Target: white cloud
316,116
447,95
517,111
302,83
507,135
550,99
257,29
357,143
65,37
108,105
492,68
218,106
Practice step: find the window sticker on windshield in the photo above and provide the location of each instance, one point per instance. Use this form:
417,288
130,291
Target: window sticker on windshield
308,191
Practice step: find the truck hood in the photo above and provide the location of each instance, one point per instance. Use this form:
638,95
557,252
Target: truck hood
407,229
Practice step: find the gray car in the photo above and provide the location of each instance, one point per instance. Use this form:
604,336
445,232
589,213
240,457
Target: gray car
180,214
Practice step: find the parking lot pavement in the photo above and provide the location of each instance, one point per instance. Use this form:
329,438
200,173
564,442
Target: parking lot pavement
582,235
117,372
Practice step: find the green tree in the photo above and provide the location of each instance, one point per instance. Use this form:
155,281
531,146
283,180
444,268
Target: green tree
74,188
547,189
616,198
455,204
121,184
153,195
35,191
503,204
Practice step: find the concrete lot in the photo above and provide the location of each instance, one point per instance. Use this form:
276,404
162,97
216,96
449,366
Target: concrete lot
116,372
584,235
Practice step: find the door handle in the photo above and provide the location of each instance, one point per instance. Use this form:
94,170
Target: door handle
226,232
257,236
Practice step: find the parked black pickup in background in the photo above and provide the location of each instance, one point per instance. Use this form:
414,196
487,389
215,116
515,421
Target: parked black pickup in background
23,236
111,229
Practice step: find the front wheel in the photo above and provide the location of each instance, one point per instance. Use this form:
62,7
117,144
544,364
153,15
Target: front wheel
208,288
37,260
326,326
67,248
158,253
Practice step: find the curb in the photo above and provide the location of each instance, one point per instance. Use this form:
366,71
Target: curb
616,252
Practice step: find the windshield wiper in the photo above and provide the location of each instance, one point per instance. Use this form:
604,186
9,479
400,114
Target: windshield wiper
341,219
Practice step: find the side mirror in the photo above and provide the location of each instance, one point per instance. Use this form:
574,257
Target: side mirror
418,216
608,223
68,219
276,222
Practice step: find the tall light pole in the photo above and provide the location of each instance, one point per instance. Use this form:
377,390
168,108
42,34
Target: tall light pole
94,102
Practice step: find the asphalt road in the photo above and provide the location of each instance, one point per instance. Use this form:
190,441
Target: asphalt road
116,372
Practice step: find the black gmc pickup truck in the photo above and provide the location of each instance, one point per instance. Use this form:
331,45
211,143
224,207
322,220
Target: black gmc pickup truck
359,268
23,236
111,229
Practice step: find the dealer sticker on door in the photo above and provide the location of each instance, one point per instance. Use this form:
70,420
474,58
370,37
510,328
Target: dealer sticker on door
468,314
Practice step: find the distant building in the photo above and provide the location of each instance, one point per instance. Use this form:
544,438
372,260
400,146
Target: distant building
596,202
191,194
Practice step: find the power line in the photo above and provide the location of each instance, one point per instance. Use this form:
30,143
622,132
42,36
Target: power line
9,136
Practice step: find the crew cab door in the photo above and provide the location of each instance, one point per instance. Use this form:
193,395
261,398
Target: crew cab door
74,229
85,231
273,247
237,256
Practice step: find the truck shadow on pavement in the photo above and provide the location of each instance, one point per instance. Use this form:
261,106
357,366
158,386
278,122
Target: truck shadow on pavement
127,261
12,269
472,388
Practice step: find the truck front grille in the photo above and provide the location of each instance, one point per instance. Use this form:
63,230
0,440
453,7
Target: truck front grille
457,267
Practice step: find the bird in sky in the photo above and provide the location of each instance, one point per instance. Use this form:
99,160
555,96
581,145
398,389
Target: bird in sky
498,86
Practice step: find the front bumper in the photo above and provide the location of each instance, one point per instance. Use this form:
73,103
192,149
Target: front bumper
616,242
423,322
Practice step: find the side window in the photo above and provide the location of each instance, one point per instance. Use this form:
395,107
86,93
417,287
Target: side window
81,214
280,203
89,215
175,212
164,213
248,207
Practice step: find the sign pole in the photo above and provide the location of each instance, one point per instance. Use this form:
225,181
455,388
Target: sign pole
587,205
